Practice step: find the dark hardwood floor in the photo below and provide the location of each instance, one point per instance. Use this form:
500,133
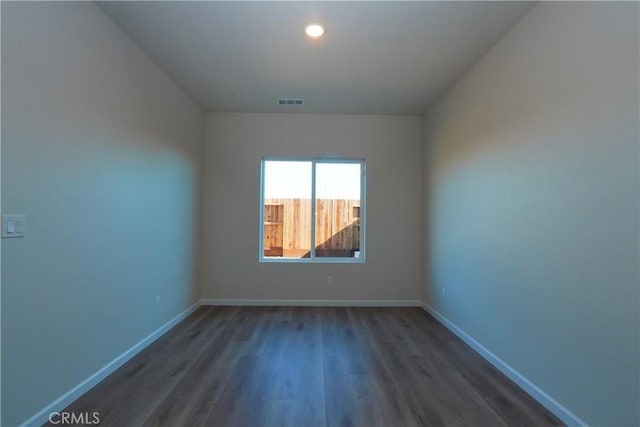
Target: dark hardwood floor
310,366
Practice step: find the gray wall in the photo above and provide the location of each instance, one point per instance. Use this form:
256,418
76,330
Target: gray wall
234,145
101,151
532,209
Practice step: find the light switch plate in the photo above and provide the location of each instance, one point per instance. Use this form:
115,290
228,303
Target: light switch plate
14,226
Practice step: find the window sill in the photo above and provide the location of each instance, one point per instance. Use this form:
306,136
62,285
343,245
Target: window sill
312,260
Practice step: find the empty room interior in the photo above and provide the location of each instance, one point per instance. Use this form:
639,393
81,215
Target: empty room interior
320,213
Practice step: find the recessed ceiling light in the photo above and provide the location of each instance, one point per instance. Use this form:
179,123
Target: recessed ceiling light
314,30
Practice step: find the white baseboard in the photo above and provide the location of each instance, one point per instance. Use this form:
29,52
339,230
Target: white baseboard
312,302
534,391
67,398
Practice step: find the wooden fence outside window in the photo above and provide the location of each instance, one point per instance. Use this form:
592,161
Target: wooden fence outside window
287,228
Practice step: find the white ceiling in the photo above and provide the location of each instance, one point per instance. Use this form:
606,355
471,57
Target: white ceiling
375,58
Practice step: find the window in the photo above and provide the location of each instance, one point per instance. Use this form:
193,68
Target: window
312,210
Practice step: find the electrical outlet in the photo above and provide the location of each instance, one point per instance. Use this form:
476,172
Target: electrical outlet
157,302
444,293
330,280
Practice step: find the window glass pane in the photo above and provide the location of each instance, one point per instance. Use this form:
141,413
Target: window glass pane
287,209
338,210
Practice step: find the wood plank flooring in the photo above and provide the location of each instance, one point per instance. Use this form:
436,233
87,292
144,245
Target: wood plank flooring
310,366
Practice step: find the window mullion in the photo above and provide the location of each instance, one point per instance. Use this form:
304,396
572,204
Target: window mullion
313,210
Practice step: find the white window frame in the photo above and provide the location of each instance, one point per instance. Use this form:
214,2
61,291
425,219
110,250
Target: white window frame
313,259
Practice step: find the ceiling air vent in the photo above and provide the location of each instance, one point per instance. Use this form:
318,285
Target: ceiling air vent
290,101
